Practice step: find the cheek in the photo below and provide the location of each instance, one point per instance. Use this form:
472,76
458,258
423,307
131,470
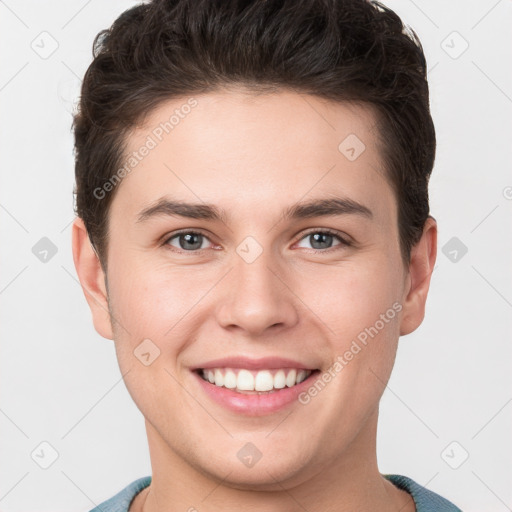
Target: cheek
150,308
148,298
156,303
352,297
361,308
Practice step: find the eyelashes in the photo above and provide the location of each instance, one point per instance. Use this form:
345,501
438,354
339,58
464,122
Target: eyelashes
195,239
331,233
182,234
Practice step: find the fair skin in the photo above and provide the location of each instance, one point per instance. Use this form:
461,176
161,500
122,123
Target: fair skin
255,157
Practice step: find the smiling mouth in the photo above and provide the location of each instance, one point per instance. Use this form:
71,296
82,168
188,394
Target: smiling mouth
254,382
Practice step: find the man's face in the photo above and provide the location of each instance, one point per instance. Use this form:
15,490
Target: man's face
257,283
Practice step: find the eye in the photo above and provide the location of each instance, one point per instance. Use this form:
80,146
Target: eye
188,241
322,239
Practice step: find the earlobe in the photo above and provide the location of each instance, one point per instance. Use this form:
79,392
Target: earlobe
421,266
92,279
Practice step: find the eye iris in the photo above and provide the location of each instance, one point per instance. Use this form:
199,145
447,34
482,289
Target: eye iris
191,241
324,239
189,238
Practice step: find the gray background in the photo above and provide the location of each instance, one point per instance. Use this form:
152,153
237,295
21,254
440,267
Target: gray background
446,416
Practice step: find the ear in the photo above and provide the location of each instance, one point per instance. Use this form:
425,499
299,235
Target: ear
421,266
92,278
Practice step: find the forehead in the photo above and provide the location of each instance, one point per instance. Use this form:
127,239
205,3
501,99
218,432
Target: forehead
246,151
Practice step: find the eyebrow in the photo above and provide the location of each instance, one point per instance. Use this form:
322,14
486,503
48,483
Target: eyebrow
305,210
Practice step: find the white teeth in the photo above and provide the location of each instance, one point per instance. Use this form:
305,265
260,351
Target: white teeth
300,376
264,381
245,381
219,378
290,378
230,380
280,379
256,381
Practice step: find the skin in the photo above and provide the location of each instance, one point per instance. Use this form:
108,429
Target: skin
255,156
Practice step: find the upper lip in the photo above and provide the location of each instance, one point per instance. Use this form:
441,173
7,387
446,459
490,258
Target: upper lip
263,363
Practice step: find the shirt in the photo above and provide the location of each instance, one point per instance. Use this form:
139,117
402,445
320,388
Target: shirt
425,500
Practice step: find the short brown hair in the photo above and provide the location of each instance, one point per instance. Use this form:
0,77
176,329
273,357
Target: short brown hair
341,50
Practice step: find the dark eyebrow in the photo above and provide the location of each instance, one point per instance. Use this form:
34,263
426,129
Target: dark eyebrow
312,208
169,207
326,207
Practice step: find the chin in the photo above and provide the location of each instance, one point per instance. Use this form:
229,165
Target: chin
264,475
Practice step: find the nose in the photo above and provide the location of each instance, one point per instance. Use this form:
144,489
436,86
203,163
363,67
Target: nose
256,297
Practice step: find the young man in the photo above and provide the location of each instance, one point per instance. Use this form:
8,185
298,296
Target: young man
253,233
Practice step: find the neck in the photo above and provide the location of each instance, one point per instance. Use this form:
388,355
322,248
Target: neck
347,482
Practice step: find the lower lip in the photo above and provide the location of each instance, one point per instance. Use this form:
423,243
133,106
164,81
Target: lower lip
254,404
